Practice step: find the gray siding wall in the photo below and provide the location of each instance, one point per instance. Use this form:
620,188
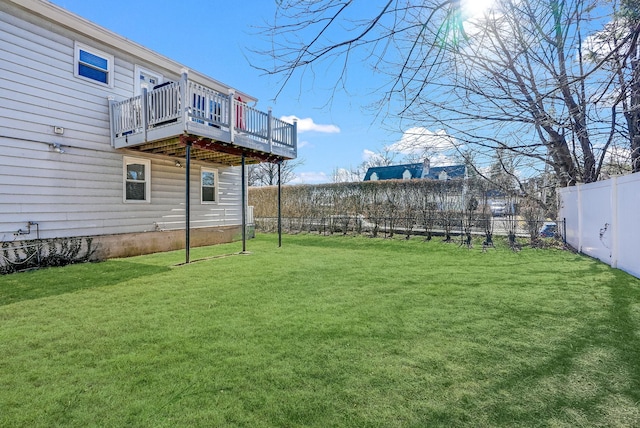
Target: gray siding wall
80,192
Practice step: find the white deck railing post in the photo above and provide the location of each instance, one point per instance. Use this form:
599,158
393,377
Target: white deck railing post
112,119
294,137
270,129
232,116
145,113
183,104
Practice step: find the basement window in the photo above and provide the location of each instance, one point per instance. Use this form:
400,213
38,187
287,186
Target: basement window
209,186
137,179
94,65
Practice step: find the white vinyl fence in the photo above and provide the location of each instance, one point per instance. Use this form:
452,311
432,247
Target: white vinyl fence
602,220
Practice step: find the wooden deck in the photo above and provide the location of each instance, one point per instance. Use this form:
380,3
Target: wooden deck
219,127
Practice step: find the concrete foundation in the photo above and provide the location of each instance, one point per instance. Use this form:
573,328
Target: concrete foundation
135,244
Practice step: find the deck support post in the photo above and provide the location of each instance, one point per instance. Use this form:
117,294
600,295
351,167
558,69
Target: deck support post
280,203
187,218
244,205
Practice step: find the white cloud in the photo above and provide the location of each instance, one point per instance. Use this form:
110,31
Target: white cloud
302,144
618,155
440,159
419,140
369,155
307,124
310,178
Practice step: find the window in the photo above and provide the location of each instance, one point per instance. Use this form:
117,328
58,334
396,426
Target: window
93,65
137,180
209,186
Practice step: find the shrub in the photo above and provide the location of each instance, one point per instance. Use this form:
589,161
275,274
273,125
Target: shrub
19,256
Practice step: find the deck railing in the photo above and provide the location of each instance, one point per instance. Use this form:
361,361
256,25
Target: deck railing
194,105
126,116
163,105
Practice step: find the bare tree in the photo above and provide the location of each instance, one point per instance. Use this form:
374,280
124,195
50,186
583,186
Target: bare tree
266,173
447,197
374,206
480,190
408,206
533,216
427,207
384,156
616,47
514,78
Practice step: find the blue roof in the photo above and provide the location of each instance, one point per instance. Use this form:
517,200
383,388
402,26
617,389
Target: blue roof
396,172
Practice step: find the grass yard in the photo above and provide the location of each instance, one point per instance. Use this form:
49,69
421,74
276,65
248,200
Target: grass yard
323,332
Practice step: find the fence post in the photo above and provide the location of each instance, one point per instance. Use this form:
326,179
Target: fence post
579,187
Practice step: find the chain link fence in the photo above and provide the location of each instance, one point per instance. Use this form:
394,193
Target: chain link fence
446,227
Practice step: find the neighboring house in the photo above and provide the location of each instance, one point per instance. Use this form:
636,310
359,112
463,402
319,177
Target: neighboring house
97,134
421,170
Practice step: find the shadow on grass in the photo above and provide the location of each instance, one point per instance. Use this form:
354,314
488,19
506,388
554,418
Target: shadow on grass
343,242
593,375
626,331
49,282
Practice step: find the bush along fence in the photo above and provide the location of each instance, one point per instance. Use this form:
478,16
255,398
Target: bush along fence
17,256
454,210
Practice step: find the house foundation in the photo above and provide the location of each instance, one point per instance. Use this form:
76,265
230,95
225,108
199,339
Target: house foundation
136,244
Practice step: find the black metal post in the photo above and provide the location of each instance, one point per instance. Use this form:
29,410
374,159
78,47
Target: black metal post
244,208
279,204
187,219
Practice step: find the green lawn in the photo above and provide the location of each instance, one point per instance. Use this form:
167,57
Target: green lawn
323,332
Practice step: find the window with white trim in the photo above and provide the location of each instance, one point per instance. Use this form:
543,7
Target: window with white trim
208,186
94,65
137,179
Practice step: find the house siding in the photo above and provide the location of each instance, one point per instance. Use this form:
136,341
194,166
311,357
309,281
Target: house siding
80,192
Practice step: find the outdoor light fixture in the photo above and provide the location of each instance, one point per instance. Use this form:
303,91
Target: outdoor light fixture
56,147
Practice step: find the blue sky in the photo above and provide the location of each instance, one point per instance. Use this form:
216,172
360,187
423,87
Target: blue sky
216,37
